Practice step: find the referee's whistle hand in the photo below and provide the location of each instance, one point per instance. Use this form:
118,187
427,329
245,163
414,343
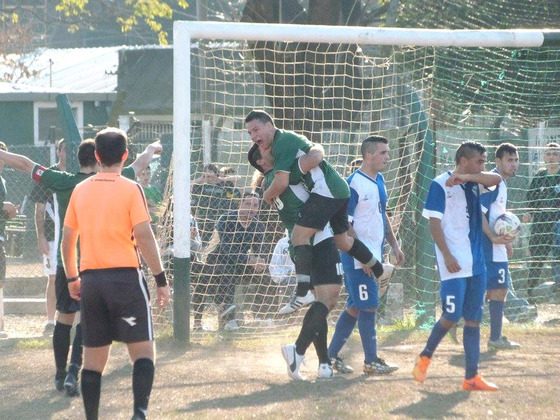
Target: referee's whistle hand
74,289
163,296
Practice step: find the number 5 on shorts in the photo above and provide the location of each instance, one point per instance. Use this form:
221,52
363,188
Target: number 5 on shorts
449,304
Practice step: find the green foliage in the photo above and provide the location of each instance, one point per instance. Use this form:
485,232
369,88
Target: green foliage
127,13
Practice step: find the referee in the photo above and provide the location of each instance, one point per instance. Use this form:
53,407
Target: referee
109,215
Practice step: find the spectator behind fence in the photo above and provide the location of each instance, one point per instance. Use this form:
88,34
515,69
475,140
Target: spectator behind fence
8,211
543,201
208,194
236,251
231,194
47,225
154,197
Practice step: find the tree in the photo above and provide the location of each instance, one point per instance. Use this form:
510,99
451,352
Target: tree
312,86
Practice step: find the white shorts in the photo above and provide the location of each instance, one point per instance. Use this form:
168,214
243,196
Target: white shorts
49,261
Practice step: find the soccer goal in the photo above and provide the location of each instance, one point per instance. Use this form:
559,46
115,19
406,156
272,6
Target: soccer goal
425,90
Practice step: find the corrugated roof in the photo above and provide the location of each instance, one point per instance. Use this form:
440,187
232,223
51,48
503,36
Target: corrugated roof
78,70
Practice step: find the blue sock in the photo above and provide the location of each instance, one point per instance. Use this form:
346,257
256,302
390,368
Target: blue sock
437,334
342,331
366,326
496,308
471,344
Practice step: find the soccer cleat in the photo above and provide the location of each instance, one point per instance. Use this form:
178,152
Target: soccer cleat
59,380
49,329
297,303
421,368
453,334
325,371
71,385
478,384
293,360
339,365
384,279
503,344
231,326
379,367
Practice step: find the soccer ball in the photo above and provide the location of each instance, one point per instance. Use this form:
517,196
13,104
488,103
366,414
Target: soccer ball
507,224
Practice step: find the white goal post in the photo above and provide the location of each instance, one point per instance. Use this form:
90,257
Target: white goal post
186,32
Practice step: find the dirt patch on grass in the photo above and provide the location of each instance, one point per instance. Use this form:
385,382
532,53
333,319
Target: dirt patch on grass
247,379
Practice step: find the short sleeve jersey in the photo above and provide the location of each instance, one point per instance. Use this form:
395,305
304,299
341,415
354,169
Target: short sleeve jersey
62,184
323,180
366,213
493,203
104,210
290,203
459,210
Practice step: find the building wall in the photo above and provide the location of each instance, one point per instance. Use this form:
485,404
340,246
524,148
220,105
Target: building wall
16,123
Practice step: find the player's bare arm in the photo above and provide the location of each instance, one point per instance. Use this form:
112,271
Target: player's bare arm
13,160
40,226
11,209
392,240
143,159
277,187
488,179
70,260
451,262
150,253
312,159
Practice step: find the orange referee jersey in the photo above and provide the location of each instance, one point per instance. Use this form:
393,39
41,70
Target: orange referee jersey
103,209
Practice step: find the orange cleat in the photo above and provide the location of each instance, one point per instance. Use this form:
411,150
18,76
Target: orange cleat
478,384
421,368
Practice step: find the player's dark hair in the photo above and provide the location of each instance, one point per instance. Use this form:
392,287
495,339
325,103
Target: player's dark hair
253,156
259,114
468,149
3,146
553,146
86,153
110,145
366,144
211,167
504,148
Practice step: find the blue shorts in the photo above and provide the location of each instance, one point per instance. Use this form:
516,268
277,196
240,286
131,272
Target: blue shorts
498,275
363,290
463,297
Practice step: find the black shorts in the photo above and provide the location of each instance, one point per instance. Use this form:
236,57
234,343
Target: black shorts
318,211
115,306
64,303
327,268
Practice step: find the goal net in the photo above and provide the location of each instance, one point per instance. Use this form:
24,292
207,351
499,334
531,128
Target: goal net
426,100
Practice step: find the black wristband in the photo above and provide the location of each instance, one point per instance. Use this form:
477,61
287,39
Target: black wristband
72,279
161,281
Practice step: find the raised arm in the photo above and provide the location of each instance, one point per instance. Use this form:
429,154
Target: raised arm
277,187
488,179
312,159
13,160
143,159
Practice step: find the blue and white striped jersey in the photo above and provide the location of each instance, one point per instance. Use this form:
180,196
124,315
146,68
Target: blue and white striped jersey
366,213
460,212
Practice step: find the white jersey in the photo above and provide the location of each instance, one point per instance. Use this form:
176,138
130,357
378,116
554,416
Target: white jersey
459,210
366,213
494,203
